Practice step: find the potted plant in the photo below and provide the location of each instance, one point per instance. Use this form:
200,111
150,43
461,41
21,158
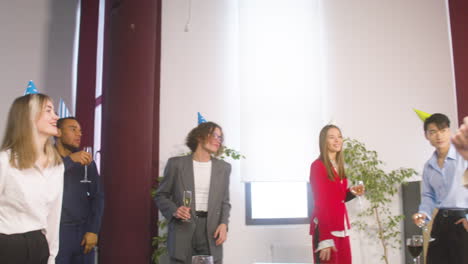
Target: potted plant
381,189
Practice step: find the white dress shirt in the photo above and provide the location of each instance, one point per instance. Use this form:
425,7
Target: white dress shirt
31,199
202,177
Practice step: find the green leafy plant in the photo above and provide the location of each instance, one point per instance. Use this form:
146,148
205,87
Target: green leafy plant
381,188
159,241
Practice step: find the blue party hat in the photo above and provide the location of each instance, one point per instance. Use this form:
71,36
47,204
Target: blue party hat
31,89
201,119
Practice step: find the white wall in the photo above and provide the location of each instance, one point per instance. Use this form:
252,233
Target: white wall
382,59
199,74
36,44
385,58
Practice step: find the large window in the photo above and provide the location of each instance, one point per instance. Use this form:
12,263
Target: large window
99,74
281,103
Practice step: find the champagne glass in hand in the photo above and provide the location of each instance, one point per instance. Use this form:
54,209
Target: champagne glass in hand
420,220
187,201
89,150
358,190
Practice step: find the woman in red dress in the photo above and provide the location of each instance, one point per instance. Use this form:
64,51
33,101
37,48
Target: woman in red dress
329,224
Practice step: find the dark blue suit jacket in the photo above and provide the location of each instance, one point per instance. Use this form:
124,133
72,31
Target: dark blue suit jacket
83,203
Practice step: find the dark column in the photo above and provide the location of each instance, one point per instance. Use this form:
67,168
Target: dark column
411,193
458,10
86,76
130,139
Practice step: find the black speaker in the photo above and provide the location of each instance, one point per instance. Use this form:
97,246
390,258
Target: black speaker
411,201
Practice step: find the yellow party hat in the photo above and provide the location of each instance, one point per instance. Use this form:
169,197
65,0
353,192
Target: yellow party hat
422,115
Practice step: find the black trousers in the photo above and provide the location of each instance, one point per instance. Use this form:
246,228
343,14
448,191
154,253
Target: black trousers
451,240
26,248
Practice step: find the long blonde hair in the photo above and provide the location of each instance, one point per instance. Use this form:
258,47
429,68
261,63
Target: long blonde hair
21,133
324,154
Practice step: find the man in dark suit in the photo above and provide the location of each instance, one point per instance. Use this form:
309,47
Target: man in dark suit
201,227
83,202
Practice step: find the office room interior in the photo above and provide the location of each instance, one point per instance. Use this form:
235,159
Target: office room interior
271,73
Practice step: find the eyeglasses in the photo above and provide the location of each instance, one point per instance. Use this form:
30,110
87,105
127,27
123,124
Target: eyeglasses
218,137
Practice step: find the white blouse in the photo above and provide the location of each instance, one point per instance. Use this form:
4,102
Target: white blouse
202,178
31,199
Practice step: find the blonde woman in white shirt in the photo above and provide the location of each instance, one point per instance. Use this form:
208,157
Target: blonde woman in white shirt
31,183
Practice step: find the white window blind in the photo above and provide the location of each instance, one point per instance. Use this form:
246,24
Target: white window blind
280,89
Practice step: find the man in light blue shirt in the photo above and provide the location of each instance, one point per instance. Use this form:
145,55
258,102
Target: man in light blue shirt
442,188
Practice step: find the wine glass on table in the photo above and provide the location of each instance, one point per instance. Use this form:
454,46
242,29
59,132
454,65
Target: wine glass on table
89,150
187,201
202,259
415,247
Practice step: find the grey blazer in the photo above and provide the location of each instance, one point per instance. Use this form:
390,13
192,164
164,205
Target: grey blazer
178,177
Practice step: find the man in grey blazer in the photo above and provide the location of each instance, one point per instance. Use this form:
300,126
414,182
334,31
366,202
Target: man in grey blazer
201,228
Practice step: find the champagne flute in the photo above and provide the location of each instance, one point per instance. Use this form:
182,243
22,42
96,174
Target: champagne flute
423,226
202,259
187,201
89,150
415,247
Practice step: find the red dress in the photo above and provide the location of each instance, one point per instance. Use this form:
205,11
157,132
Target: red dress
330,211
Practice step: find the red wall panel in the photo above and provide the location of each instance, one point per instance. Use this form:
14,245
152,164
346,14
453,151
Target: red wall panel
458,10
130,133
86,75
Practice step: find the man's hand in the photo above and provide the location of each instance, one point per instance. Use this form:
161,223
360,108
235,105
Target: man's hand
419,219
82,157
325,253
464,222
89,242
220,234
460,140
183,213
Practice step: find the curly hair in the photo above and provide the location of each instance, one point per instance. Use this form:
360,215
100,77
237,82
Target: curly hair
200,134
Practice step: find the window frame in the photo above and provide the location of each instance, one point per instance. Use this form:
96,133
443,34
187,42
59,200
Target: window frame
275,221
